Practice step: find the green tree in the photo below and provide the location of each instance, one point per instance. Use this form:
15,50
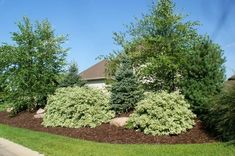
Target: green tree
30,68
204,74
168,54
72,78
125,91
221,116
157,44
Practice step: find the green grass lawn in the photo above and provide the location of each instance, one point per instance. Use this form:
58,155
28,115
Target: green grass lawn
54,145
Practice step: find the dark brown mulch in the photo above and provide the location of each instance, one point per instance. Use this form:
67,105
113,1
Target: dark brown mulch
107,133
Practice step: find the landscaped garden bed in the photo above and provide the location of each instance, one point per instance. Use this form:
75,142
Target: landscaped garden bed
108,133
165,77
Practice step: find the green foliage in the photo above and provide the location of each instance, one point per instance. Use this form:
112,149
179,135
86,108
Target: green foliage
125,91
77,107
221,116
72,77
162,114
204,74
2,95
169,54
3,106
29,69
157,45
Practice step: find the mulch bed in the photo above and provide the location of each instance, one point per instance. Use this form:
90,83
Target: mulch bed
107,133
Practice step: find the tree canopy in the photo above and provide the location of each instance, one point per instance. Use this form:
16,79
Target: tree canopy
29,68
161,46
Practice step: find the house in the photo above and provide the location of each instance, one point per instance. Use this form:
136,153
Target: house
232,78
230,82
95,75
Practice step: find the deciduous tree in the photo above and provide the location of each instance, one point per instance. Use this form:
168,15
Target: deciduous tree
169,54
29,68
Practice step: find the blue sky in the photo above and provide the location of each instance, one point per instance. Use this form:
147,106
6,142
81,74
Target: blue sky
90,23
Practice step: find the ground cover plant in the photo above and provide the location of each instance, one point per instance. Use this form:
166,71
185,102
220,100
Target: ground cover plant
77,107
54,145
162,114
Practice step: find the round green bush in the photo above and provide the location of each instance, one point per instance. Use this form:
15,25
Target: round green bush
162,114
77,107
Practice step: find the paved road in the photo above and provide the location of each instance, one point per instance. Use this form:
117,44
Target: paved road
8,148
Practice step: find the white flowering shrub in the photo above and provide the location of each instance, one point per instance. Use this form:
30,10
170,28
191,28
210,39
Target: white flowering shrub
162,114
77,107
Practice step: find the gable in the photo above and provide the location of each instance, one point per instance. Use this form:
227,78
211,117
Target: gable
95,72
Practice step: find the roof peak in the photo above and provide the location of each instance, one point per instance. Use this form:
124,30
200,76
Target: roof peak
96,71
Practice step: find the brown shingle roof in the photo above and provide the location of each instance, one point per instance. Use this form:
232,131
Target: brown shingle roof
228,84
95,72
232,78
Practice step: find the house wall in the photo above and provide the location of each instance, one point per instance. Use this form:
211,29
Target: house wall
100,84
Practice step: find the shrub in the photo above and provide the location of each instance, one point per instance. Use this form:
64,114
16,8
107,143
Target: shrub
221,116
162,114
77,107
125,91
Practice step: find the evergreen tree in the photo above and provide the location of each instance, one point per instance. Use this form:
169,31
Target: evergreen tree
72,78
221,115
125,91
204,74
